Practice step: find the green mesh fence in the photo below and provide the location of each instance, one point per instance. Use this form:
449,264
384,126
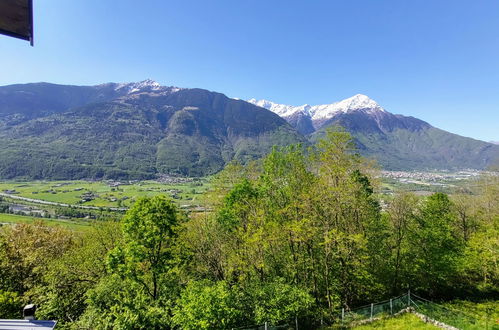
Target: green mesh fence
391,307
437,312
452,317
376,310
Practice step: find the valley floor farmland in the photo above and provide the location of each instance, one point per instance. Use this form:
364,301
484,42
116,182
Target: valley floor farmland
188,192
107,194
7,219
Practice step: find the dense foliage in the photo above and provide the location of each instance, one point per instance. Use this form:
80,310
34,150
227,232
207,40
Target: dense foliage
295,238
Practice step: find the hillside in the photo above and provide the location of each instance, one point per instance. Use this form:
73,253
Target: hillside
142,130
132,131
397,142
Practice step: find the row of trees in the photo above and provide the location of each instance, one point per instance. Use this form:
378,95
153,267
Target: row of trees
297,237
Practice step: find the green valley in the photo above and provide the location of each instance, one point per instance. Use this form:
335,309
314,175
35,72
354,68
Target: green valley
309,238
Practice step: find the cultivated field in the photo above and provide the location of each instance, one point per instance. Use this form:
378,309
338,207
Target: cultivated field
106,193
77,225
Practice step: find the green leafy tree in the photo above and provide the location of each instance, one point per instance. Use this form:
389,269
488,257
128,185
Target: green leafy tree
436,246
206,305
276,302
401,214
150,230
142,281
26,251
61,294
117,303
10,305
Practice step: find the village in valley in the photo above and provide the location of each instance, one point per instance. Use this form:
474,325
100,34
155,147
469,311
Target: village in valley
83,201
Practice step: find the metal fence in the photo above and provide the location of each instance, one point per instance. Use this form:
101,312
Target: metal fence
409,302
375,310
430,311
451,316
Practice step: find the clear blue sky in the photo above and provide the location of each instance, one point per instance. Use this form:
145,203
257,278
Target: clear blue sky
437,60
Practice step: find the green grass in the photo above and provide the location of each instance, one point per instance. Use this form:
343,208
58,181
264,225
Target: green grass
469,315
465,315
484,310
404,321
70,224
70,192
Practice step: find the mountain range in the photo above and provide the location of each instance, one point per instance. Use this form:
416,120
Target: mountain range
142,130
397,142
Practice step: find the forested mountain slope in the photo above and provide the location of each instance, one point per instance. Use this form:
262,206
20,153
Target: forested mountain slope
133,131
141,130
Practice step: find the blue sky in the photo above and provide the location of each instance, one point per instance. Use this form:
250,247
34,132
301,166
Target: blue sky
436,60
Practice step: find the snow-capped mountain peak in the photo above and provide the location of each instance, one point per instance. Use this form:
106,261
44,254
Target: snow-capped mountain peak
324,111
134,87
357,102
282,110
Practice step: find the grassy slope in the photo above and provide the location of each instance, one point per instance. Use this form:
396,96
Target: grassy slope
483,315
485,309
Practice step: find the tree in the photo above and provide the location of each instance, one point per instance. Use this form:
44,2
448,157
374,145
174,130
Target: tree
142,281
117,303
61,295
150,230
435,244
10,305
402,216
278,301
207,305
464,207
26,250
347,218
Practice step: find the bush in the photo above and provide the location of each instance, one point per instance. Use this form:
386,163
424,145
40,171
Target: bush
10,305
207,305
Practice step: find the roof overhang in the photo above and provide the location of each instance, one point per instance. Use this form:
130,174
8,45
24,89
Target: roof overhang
16,19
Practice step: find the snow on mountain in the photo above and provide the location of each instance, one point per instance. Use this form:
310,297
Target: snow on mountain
139,86
281,109
144,86
324,111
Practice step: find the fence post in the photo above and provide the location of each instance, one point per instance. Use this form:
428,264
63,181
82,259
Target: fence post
409,298
343,315
372,309
266,328
296,322
391,307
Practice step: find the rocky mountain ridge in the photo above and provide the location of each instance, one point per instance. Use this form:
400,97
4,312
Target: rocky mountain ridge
144,130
